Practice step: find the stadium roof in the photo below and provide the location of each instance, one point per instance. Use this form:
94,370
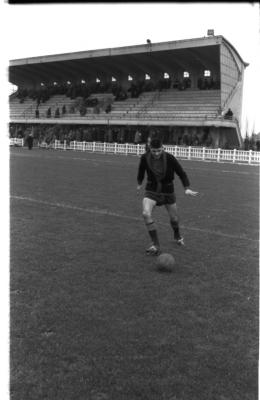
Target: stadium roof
144,58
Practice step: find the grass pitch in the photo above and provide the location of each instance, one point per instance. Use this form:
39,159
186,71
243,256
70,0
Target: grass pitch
93,319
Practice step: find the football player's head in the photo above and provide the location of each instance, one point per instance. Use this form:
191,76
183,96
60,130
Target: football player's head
156,148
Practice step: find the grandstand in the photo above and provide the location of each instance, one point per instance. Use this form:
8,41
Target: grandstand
186,86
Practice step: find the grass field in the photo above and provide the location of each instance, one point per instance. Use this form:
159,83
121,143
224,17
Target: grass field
93,319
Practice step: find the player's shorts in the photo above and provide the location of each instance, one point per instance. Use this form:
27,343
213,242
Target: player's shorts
161,198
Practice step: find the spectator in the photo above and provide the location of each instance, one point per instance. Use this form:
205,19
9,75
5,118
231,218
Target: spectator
85,135
246,143
110,135
20,133
209,140
96,110
176,83
229,114
78,135
57,113
138,137
120,136
108,108
12,131
72,109
194,139
83,110
30,141
186,139
49,112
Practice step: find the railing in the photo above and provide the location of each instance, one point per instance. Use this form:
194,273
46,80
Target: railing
190,153
16,142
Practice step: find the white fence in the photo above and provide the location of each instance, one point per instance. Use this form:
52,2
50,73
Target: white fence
16,142
190,153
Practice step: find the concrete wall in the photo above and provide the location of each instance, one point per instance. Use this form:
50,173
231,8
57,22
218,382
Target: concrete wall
229,73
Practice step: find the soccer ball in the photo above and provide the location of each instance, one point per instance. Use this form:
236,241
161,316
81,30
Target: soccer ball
165,262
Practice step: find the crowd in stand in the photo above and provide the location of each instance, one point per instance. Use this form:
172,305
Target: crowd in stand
74,90
71,90
82,92
47,133
208,83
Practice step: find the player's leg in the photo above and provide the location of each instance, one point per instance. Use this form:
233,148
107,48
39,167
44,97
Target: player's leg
148,205
174,221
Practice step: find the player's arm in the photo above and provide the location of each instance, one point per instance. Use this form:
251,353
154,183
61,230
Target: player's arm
184,178
141,173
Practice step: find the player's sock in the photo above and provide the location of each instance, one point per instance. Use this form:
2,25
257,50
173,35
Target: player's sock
176,229
153,233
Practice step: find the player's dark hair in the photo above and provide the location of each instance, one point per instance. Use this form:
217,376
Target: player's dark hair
156,143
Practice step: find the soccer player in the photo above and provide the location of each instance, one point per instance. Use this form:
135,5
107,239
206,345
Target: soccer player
160,167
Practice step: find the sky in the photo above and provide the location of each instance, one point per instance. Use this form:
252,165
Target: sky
43,29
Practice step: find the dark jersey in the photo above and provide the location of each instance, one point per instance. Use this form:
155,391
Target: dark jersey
161,182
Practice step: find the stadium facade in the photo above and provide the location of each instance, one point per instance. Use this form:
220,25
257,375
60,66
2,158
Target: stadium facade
187,88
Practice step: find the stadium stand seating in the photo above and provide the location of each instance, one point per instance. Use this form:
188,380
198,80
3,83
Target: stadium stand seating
23,109
168,103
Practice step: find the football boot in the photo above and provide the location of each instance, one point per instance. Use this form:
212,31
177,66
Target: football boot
179,240
153,250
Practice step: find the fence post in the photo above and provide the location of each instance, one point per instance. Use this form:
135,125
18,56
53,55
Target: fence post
203,153
84,146
55,145
104,147
250,157
126,149
64,145
94,146
218,155
234,155
74,145
115,148
138,149
189,153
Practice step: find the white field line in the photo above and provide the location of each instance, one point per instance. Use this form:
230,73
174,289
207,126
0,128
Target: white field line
106,212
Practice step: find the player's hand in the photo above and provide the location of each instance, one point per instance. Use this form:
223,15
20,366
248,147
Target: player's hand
138,189
190,192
